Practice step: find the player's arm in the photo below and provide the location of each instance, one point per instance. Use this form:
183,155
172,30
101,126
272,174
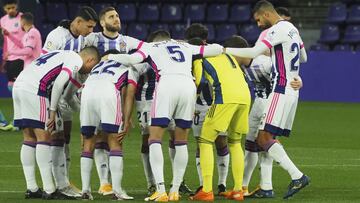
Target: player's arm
207,50
303,55
132,59
28,47
69,94
56,91
15,40
130,91
253,52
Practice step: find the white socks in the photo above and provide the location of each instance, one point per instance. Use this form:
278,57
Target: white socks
277,152
116,170
147,169
157,164
59,164
266,164
180,163
86,163
198,168
172,151
43,158
28,161
68,158
101,157
251,159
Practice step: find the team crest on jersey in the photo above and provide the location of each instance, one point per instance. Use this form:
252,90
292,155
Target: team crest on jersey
122,46
48,45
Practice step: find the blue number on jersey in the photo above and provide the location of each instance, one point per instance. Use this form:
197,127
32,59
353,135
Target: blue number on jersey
176,54
295,48
106,69
44,58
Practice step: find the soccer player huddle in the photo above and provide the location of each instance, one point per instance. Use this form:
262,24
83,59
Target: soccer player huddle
175,85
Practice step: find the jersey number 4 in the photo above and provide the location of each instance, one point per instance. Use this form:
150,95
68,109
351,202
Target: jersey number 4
175,53
42,60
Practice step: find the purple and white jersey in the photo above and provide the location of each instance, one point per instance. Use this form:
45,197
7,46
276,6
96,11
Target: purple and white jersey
285,43
122,43
171,57
146,84
61,38
39,76
114,72
259,73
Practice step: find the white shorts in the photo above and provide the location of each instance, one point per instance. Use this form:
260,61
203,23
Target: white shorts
279,114
30,110
143,115
174,98
100,106
198,120
255,117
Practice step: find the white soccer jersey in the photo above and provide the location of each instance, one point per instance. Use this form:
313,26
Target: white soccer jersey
285,42
39,76
122,43
259,73
171,57
61,38
114,72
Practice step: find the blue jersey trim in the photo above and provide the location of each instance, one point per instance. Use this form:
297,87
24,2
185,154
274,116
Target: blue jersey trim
216,84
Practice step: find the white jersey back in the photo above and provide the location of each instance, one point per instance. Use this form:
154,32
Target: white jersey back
122,43
285,42
114,72
62,39
38,77
259,73
171,57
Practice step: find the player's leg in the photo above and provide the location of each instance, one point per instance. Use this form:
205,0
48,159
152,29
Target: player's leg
239,126
67,136
222,161
172,150
252,149
4,125
217,120
28,161
101,158
89,121
143,115
28,148
274,124
198,121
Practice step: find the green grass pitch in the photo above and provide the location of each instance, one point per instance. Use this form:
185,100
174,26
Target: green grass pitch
325,144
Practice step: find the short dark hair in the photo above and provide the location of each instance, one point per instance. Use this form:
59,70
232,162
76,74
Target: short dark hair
92,50
110,51
197,30
262,5
28,17
87,13
283,11
196,41
105,10
236,41
158,34
6,2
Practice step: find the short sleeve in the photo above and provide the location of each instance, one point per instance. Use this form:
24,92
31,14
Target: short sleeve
133,77
274,37
52,42
90,40
144,49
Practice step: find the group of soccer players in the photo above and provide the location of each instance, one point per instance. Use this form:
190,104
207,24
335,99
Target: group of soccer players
177,85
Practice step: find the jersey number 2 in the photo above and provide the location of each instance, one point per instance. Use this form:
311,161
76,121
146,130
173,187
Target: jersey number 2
295,48
175,53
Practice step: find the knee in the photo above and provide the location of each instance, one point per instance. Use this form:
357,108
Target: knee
221,142
263,139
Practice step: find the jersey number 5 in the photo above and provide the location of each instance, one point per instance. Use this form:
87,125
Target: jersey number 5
295,48
176,54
